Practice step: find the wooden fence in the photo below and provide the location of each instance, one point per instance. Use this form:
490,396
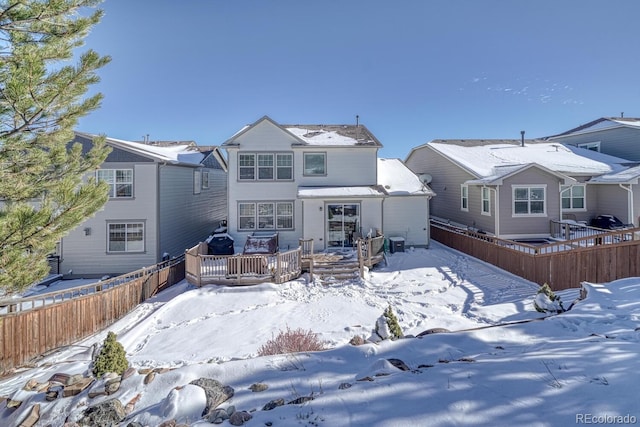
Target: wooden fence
564,264
34,326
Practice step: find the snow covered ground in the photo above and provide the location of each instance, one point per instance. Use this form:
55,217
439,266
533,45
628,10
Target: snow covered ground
578,367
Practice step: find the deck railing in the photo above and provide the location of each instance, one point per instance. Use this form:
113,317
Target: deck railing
202,269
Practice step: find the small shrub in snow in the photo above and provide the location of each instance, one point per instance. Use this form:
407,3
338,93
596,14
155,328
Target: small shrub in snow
112,357
546,301
392,322
292,341
387,327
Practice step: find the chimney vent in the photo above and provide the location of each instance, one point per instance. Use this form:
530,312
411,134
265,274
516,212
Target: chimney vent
522,138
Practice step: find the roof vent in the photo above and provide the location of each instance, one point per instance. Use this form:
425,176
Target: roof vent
522,138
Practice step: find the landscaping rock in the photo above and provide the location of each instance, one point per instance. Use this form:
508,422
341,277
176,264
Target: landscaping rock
105,414
59,378
218,416
399,364
12,404
77,387
73,379
300,400
150,377
129,372
32,418
433,331
273,404
215,392
112,387
239,418
30,385
344,386
258,387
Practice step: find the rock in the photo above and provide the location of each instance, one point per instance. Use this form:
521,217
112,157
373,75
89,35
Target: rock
13,404
150,377
215,392
129,372
258,387
109,376
94,394
105,414
30,385
399,364
73,379
161,370
132,404
112,387
273,404
168,423
134,424
59,378
344,386
42,387
300,400
218,416
77,387
144,371
367,378
239,418
51,395
32,418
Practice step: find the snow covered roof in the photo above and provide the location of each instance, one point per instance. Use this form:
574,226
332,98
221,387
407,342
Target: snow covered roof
334,135
186,153
492,160
397,179
601,123
354,191
626,176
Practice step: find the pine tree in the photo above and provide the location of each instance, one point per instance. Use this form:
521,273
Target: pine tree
112,357
392,322
42,191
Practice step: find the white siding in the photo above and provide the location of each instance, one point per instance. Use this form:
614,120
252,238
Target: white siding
346,166
407,217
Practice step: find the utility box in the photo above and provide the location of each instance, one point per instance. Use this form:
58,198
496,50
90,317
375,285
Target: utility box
396,244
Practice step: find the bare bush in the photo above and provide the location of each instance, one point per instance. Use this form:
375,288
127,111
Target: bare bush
292,341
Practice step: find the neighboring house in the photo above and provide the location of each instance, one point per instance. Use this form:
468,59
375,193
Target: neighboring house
514,188
617,136
320,182
164,198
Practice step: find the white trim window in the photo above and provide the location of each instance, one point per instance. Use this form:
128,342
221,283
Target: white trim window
120,181
485,200
529,200
265,216
464,197
265,166
573,197
593,146
125,237
315,164
205,179
197,182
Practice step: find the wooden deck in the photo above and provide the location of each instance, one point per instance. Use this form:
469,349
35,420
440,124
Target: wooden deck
238,270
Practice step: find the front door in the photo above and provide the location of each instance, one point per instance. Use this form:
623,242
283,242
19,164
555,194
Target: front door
343,219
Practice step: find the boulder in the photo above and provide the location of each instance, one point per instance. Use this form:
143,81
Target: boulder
215,391
273,404
77,387
32,418
258,387
239,418
150,377
105,414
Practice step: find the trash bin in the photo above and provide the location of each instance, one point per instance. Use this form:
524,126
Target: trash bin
396,244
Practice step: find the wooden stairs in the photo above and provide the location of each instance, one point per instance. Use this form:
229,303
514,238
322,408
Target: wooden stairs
334,271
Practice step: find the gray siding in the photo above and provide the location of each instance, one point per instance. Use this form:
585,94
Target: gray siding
407,217
87,256
187,218
611,200
620,142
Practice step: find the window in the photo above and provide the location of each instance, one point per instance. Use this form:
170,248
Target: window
265,216
529,200
593,146
315,164
265,166
120,181
464,198
126,237
197,182
486,199
246,166
573,197
205,179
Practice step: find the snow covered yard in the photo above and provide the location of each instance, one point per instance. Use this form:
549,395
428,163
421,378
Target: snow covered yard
565,369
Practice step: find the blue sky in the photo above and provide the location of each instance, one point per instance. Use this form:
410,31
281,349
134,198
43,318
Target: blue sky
413,70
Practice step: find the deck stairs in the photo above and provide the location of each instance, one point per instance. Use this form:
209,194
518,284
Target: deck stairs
335,271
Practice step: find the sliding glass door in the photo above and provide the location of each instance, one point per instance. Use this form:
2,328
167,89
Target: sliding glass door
343,220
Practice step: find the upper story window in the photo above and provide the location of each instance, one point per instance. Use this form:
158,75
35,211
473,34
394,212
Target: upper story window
593,146
485,207
265,166
315,164
464,198
529,200
573,197
119,180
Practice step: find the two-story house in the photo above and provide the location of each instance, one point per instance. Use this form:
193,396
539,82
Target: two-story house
164,198
514,188
320,182
617,136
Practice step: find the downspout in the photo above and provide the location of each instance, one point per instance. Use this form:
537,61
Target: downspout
158,243
496,221
630,219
